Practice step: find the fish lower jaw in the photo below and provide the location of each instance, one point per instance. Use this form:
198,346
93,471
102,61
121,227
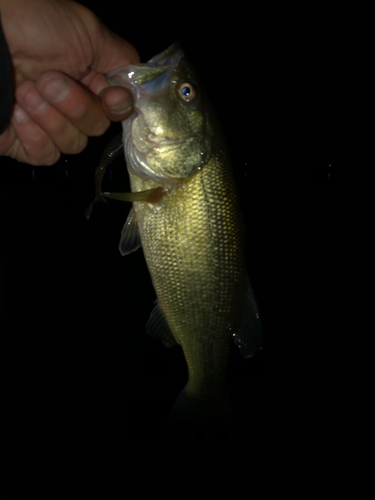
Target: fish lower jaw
149,143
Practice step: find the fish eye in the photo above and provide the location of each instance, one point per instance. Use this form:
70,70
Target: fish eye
187,91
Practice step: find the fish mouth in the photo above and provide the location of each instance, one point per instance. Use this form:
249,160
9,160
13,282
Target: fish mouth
150,148
144,78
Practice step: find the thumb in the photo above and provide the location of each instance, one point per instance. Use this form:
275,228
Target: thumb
112,52
117,103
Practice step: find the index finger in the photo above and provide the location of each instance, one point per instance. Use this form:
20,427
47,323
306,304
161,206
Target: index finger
81,106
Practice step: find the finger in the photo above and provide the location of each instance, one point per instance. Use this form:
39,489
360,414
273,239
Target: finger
66,137
117,103
82,108
33,145
111,51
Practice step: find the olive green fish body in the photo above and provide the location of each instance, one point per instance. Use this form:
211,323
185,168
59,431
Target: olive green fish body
188,222
193,247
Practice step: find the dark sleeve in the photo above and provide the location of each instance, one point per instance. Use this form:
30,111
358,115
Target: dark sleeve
6,83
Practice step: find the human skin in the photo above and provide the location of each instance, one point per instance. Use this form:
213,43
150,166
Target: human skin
60,52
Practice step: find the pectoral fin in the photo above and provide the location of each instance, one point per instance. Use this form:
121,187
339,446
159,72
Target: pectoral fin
130,239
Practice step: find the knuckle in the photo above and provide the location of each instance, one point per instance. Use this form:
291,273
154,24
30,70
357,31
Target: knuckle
49,158
100,127
52,159
76,144
24,88
42,153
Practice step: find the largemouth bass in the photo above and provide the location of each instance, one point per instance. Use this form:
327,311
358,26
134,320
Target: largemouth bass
187,219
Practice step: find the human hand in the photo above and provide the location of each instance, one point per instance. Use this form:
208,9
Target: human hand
60,52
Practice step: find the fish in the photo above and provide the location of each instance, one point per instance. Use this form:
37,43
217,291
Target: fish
186,216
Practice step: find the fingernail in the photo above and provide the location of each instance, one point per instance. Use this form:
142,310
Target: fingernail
19,114
56,90
121,106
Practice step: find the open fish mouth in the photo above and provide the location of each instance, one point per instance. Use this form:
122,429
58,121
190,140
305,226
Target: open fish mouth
144,78
146,81
145,137
165,138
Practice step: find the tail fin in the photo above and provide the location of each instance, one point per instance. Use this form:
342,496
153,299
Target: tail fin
191,413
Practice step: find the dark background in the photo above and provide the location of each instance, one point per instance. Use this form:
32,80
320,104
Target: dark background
74,310
325,176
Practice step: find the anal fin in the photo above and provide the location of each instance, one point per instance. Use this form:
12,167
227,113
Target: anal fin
158,327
